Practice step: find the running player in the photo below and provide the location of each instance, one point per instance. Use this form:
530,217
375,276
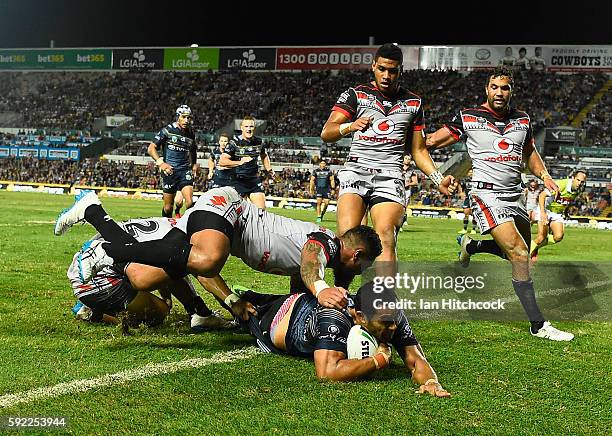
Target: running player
551,208
179,162
323,179
381,117
466,187
498,138
532,193
125,289
297,325
221,222
241,154
220,175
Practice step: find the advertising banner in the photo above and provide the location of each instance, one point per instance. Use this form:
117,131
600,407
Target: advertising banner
138,59
535,58
56,59
324,58
247,59
562,135
191,59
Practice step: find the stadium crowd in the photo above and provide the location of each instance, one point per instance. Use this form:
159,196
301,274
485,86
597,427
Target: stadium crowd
294,104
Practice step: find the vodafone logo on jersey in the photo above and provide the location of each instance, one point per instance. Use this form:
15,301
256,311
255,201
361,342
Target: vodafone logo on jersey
503,145
384,126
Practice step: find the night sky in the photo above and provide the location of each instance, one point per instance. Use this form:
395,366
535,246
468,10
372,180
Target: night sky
113,23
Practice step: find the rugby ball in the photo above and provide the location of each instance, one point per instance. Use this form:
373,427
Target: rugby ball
360,343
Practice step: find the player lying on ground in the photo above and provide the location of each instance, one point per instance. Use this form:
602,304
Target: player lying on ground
219,223
499,139
126,288
297,325
550,210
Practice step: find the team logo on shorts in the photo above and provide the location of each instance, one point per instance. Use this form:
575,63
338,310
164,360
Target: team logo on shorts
384,126
503,145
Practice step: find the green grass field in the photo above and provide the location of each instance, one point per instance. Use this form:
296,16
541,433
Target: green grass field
502,380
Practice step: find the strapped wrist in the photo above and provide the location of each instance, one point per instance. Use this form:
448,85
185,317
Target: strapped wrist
436,177
159,161
319,285
345,129
231,299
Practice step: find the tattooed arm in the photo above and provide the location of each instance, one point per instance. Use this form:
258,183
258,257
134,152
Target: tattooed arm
312,270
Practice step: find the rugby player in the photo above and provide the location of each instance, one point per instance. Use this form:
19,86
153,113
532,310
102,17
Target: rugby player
532,193
551,208
126,288
179,162
381,117
323,179
466,187
241,154
297,325
220,223
499,138
220,175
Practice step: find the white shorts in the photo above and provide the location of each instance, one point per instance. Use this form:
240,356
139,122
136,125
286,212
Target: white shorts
225,202
494,208
385,184
552,216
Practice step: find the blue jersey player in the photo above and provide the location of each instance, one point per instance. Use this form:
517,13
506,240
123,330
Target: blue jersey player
178,164
241,154
323,180
220,175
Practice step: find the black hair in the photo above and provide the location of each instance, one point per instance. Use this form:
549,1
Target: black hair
390,51
368,237
370,299
575,172
502,71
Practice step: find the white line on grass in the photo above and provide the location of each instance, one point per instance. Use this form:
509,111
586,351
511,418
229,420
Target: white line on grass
130,375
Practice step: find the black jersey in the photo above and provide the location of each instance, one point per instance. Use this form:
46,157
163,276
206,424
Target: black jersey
179,146
323,178
238,147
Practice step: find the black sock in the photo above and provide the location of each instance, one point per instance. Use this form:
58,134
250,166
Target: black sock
167,214
160,253
485,246
104,224
465,223
195,305
526,295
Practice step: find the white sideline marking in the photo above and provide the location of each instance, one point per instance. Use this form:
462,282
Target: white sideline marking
150,370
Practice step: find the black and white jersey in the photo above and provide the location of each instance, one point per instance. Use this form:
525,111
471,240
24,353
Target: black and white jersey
382,145
495,145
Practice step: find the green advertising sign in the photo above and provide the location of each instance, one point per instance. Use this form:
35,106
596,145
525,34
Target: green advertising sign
586,151
60,59
191,59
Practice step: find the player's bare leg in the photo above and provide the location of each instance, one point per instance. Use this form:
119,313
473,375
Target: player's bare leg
539,241
319,201
351,209
324,205
146,308
187,193
209,252
558,232
168,206
258,199
387,218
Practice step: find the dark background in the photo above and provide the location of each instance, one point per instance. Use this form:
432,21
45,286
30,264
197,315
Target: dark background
113,23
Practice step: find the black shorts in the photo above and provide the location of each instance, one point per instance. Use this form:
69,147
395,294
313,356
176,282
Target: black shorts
466,203
110,301
247,185
324,193
176,181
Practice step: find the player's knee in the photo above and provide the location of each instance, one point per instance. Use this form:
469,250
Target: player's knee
558,237
518,253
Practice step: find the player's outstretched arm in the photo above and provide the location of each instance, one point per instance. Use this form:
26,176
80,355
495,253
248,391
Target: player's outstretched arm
424,162
218,287
333,365
422,372
312,271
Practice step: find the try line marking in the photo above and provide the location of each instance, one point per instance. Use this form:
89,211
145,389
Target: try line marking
130,375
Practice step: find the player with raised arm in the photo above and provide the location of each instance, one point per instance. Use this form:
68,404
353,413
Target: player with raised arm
178,164
551,208
322,179
381,117
241,155
499,139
